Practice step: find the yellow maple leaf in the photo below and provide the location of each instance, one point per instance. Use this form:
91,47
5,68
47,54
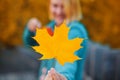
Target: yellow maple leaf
57,46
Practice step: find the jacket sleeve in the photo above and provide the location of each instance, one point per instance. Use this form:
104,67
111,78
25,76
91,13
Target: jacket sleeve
69,70
27,38
27,35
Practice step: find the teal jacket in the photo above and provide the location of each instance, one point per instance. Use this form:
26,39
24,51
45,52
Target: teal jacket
71,71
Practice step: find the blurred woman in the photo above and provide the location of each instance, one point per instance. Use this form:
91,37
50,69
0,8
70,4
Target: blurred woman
69,10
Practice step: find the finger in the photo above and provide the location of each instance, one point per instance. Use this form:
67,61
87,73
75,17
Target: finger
48,77
55,75
62,77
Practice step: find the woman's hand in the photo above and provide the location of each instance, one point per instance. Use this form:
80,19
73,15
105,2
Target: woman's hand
33,23
43,75
53,75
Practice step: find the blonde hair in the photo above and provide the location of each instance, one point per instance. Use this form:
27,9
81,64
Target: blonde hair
72,9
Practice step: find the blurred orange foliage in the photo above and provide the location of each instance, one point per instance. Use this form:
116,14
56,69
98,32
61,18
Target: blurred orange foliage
101,18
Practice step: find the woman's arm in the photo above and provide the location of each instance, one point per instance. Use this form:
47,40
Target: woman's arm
30,31
27,38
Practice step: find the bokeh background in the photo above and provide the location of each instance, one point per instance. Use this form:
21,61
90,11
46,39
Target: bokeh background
101,18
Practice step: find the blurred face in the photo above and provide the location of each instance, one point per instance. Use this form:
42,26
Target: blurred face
57,11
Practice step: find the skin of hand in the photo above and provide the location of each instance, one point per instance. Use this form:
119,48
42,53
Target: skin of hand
53,75
33,23
44,72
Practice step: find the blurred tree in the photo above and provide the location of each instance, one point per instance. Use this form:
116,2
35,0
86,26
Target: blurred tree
101,18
